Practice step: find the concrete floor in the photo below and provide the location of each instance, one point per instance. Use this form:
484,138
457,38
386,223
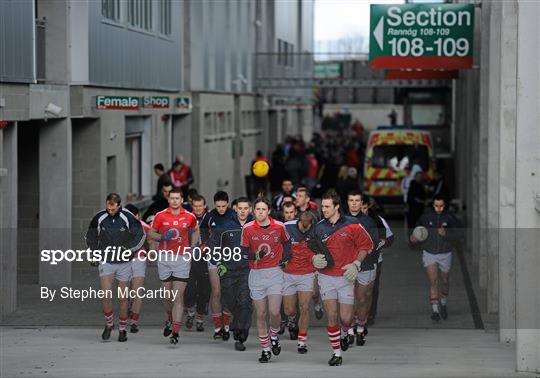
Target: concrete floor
70,352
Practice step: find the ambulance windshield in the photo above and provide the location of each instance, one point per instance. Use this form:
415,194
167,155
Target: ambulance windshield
399,157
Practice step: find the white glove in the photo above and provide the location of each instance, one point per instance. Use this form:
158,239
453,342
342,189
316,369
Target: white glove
319,261
351,272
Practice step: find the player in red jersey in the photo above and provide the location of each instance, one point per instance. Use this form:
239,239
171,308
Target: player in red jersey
172,228
267,244
348,243
299,276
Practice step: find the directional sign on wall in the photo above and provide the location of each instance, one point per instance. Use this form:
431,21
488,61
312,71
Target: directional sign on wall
432,36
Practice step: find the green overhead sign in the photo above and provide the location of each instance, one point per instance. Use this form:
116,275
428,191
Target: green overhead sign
327,70
429,36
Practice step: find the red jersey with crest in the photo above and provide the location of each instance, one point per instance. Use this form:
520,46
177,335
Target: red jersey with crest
269,239
181,224
344,239
301,254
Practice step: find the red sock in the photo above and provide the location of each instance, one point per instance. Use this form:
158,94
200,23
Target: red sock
345,329
122,324
176,327
334,337
169,316
265,342
226,319
302,337
274,332
135,317
108,318
218,323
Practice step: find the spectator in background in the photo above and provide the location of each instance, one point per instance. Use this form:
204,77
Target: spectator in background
347,182
353,159
341,184
160,203
294,165
159,170
277,168
393,117
406,183
287,189
181,175
312,171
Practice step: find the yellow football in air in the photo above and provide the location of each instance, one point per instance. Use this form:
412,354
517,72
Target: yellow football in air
260,168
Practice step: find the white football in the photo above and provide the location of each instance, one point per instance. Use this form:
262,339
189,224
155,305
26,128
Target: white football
420,233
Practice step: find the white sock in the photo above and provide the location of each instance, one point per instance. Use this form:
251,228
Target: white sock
435,307
444,301
337,352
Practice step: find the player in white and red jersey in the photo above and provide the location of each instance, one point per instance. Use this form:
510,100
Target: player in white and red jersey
172,227
267,245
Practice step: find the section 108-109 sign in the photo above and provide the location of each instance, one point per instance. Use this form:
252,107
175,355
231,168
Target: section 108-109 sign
428,36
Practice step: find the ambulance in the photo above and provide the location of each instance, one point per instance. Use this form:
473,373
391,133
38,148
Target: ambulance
390,154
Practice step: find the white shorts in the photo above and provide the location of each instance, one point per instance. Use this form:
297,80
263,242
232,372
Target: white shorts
178,268
444,260
138,267
366,277
336,287
293,283
122,271
264,282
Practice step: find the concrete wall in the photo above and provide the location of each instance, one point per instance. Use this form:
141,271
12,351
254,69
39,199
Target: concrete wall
55,193
498,160
28,200
213,162
86,193
8,219
527,176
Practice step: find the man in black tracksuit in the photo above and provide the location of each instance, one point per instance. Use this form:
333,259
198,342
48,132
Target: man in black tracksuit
234,275
437,253
115,227
198,288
